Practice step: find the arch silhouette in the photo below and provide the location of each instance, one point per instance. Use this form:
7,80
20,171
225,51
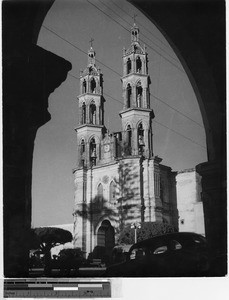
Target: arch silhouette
179,25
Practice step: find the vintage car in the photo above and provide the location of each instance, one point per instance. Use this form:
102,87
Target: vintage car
169,255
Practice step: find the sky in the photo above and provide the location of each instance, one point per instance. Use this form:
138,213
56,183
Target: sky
178,132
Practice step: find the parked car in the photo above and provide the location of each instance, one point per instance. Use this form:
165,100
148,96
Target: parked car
168,255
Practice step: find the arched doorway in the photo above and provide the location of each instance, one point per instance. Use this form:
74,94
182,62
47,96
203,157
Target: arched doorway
105,239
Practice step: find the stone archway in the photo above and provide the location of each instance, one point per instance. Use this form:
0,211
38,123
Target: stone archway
106,238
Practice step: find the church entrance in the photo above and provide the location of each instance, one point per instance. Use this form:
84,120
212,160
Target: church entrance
105,240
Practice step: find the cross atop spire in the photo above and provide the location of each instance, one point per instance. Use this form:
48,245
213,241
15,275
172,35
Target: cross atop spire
134,17
91,41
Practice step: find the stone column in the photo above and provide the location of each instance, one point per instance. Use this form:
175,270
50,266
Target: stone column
146,141
215,213
134,96
143,66
80,115
144,95
133,64
87,113
124,95
124,67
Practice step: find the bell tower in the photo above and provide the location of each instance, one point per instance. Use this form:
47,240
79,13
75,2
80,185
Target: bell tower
91,113
136,114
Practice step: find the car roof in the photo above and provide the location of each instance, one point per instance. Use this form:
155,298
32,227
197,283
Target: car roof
165,237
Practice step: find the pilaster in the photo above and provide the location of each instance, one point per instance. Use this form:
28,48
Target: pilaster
215,213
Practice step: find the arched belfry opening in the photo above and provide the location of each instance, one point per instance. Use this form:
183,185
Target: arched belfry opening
139,94
92,147
92,113
84,87
128,66
138,65
106,237
82,147
92,85
128,149
82,152
83,119
129,95
141,143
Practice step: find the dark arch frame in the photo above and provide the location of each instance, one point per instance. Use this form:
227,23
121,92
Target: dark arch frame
190,25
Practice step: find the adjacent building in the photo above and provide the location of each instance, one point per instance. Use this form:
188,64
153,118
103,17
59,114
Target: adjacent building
189,204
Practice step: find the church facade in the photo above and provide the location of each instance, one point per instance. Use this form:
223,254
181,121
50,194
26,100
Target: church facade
118,179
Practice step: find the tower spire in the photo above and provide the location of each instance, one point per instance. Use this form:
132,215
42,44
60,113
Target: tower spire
91,41
91,54
134,32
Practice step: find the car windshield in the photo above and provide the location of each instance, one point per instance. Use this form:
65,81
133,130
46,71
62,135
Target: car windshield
137,253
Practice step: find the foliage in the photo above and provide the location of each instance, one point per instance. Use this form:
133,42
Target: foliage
45,238
70,259
49,237
147,230
70,254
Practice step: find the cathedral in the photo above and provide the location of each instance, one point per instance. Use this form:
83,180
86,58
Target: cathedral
118,178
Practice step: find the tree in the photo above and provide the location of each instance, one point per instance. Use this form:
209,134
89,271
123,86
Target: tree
147,230
70,259
45,238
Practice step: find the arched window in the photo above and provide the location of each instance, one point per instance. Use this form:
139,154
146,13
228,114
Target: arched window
161,192
128,65
139,94
92,113
112,192
141,143
82,152
129,92
82,147
100,190
138,65
92,148
84,90
93,85
100,195
83,113
128,149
